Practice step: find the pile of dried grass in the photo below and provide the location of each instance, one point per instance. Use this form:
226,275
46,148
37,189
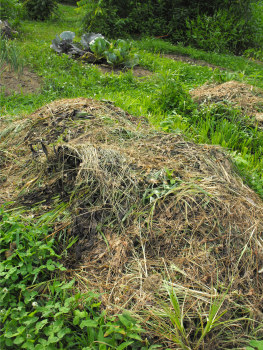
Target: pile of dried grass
146,207
246,97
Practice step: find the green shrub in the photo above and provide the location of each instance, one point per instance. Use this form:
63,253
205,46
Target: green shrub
257,23
168,18
40,9
11,10
171,97
256,54
222,32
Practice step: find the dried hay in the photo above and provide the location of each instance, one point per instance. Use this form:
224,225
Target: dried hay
246,97
146,207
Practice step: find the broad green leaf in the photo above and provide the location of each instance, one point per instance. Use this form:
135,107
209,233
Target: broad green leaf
88,323
19,340
53,339
258,344
134,336
40,325
127,323
124,345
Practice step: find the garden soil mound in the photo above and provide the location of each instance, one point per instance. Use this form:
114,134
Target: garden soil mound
146,206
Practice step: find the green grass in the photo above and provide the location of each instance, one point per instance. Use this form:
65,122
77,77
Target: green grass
10,55
242,68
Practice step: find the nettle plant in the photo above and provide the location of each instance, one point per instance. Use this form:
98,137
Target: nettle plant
94,48
38,309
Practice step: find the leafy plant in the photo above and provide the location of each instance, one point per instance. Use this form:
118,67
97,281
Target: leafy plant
171,320
167,18
88,39
171,96
98,46
95,48
38,307
255,345
64,44
11,10
221,32
121,54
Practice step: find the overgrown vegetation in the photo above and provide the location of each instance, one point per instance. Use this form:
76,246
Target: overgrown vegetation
227,26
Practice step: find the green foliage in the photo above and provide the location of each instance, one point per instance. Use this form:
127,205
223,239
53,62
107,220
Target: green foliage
39,309
171,95
222,124
222,32
99,46
10,54
119,53
257,23
40,9
171,320
254,53
255,345
231,22
95,48
11,10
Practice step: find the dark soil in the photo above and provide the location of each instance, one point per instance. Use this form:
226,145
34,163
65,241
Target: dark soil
137,70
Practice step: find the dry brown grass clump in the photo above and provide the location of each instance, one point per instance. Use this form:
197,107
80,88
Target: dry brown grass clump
147,207
246,97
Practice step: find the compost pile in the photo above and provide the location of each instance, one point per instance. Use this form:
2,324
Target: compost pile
243,96
146,207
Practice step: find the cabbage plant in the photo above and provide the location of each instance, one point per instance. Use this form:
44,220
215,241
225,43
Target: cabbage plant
95,48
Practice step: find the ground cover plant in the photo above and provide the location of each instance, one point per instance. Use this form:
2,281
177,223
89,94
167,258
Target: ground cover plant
119,236
38,309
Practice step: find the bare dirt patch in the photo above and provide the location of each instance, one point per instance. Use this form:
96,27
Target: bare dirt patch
244,96
149,209
192,61
11,82
137,71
